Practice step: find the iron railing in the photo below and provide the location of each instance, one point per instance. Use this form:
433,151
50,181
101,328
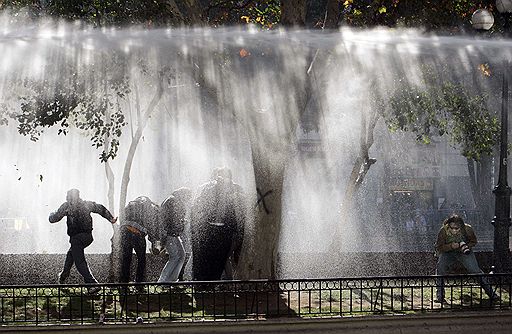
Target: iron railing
257,299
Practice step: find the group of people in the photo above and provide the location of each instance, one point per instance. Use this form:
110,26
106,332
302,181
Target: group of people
217,219
217,222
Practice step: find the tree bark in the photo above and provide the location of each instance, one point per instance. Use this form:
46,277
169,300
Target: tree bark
332,14
486,186
473,180
133,146
109,174
293,13
480,181
115,241
187,11
261,252
112,275
361,167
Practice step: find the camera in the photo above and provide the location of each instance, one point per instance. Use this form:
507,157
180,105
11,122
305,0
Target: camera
464,248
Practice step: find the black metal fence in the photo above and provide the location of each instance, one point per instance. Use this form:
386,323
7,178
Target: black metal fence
258,299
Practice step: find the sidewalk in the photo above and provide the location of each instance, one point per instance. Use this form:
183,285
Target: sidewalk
440,323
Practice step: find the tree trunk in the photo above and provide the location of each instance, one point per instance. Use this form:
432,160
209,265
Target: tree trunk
332,14
486,186
261,251
473,180
293,13
133,146
480,181
186,11
114,256
361,167
109,174
112,274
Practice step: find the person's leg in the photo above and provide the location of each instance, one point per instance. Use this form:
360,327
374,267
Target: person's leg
228,269
471,264
172,268
126,255
199,252
140,250
178,257
443,264
221,248
68,263
166,271
78,244
181,275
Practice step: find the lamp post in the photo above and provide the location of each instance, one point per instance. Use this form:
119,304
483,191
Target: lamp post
482,19
502,192
501,220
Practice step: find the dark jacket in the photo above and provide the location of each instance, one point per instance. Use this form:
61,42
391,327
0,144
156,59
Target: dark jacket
172,217
221,204
143,214
78,215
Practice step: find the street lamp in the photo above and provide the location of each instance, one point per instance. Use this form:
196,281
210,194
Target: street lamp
501,220
482,19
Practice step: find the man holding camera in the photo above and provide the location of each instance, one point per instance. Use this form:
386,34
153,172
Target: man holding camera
454,244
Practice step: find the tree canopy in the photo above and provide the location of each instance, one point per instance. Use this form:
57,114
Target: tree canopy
442,107
434,15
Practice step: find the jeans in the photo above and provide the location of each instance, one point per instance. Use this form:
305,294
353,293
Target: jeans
76,255
172,268
129,242
468,261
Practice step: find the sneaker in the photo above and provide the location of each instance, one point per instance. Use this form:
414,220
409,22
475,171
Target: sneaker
62,277
440,301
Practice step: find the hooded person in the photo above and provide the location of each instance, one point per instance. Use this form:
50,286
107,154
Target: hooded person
79,229
173,212
141,219
218,217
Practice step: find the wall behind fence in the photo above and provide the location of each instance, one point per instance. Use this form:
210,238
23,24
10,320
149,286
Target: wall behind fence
43,268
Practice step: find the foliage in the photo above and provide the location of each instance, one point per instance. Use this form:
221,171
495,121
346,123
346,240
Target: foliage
90,97
451,15
82,97
114,12
430,14
442,108
263,13
99,12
